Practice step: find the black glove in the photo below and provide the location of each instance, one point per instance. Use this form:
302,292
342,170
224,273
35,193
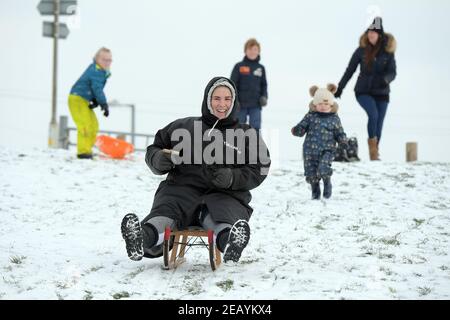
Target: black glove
338,93
344,145
222,178
105,109
263,101
161,161
93,104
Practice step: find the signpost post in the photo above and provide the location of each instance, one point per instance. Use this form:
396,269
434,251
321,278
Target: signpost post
55,30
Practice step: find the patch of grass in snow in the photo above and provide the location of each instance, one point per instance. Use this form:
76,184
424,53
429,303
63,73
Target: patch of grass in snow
194,288
418,222
392,290
437,205
225,285
414,259
313,258
8,268
319,227
120,295
249,261
17,259
88,295
364,174
386,256
96,268
134,273
387,271
423,291
391,241
410,185
11,280
62,284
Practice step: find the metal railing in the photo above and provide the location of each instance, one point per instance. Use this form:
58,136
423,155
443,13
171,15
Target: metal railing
64,130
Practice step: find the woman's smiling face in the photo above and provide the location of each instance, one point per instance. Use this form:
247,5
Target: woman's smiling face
221,102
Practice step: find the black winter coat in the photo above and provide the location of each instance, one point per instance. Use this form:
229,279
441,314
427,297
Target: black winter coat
188,186
250,79
375,80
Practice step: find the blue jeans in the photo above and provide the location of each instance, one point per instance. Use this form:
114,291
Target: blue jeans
376,110
254,114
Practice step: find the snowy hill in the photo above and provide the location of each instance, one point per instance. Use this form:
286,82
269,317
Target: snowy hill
383,235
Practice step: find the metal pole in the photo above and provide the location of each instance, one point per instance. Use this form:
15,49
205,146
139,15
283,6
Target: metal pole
63,140
133,124
55,60
53,136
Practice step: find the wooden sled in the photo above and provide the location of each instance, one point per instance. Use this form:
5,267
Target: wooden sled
193,236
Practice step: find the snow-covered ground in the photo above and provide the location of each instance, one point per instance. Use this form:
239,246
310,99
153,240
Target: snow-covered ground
383,235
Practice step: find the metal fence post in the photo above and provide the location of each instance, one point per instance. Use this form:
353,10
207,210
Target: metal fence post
63,139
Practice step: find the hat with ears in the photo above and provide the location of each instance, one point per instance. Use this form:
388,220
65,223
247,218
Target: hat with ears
323,95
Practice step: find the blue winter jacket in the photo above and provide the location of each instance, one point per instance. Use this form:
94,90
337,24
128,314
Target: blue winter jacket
322,131
91,83
250,79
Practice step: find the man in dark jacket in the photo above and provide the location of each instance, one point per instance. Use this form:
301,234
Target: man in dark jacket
208,183
375,55
250,79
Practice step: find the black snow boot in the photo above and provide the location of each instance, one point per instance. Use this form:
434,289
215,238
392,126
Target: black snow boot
85,156
315,189
132,234
237,241
327,188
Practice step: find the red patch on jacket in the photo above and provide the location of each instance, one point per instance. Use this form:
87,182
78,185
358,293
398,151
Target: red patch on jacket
244,70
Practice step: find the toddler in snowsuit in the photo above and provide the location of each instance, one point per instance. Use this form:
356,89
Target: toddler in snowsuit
323,129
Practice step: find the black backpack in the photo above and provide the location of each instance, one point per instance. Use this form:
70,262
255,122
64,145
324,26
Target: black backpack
349,155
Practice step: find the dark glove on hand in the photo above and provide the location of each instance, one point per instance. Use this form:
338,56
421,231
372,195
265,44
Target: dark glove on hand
105,109
93,104
344,145
263,101
338,93
222,178
162,161
293,131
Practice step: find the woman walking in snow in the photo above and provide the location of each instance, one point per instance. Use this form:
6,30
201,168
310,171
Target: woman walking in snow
375,56
212,193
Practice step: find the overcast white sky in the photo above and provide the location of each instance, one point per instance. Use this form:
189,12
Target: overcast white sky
166,51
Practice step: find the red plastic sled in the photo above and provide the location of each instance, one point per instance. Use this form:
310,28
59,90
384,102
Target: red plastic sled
113,147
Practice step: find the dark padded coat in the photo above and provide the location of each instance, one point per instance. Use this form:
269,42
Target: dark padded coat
376,80
188,186
323,131
250,79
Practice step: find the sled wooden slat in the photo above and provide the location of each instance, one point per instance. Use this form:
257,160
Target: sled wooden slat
182,240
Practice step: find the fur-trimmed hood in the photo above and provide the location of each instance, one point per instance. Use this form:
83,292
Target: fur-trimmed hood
390,44
334,107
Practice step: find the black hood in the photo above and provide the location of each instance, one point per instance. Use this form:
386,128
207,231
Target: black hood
211,119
